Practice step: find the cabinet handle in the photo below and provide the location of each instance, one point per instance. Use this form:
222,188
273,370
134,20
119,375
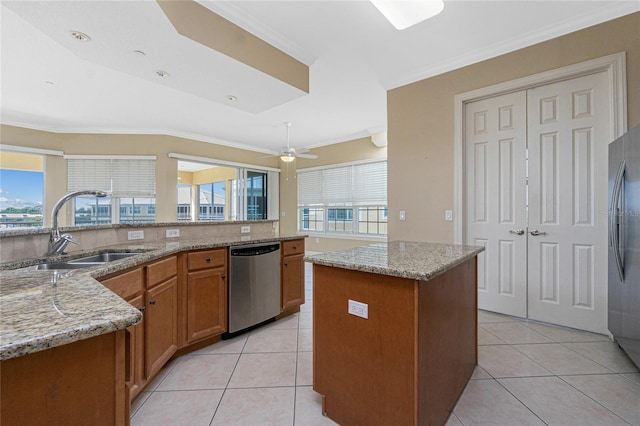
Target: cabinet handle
142,308
152,302
286,264
223,276
295,247
208,259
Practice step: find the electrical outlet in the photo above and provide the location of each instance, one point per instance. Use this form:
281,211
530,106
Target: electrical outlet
173,233
135,235
358,309
245,229
448,215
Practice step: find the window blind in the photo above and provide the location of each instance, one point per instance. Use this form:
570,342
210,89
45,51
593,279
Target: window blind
358,184
120,177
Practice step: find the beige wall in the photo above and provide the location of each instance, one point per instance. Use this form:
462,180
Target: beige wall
421,120
17,161
103,144
359,149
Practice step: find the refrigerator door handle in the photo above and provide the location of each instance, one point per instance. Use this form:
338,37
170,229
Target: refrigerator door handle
614,230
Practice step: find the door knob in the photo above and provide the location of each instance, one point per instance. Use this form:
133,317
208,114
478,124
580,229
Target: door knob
517,231
535,233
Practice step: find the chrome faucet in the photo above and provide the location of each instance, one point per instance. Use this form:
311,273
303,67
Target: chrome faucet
57,242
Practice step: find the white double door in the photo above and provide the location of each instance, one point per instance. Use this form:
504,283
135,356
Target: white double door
536,198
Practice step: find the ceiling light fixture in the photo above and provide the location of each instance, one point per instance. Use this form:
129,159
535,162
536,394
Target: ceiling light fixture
288,154
405,13
139,53
80,36
232,98
162,73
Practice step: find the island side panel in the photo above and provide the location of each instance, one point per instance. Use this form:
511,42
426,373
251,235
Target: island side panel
77,383
365,368
447,340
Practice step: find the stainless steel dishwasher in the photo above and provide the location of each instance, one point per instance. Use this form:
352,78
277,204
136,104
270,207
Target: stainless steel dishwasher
254,286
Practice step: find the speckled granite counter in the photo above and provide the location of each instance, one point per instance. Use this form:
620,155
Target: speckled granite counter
43,309
420,261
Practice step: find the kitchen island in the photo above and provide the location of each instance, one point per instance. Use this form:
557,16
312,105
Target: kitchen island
395,331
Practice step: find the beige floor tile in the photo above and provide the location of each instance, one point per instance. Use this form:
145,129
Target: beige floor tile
306,307
200,372
306,320
635,377
259,407
505,361
155,382
607,354
231,346
309,408
563,334
137,403
614,391
304,371
264,370
559,359
487,317
305,340
515,333
289,322
486,338
272,340
453,421
176,408
480,373
486,402
558,403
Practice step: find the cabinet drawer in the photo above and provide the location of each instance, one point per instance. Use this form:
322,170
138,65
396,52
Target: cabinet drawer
292,247
127,284
206,259
161,271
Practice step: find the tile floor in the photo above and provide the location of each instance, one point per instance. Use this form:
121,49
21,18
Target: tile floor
528,373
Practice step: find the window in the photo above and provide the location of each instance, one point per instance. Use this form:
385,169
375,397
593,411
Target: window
184,203
346,199
211,201
21,190
130,182
256,195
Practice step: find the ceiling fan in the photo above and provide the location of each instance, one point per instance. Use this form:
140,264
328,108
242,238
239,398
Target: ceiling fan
288,153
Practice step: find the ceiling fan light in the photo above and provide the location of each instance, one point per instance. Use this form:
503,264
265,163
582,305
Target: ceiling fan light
287,158
405,13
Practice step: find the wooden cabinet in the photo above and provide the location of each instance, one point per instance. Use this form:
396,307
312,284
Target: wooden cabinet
292,274
206,294
161,312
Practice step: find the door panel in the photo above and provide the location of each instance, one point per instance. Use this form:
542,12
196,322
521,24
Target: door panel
495,143
568,133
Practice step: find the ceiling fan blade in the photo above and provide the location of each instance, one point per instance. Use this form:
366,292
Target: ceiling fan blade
309,156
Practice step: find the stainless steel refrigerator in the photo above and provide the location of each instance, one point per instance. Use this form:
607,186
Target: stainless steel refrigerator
624,242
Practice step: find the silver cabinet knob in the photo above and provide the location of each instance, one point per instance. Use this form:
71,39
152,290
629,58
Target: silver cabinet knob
535,233
517,231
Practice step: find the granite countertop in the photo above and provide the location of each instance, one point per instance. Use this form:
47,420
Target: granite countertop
48,308
405,259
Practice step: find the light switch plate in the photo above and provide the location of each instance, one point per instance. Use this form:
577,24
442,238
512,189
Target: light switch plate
173,233
135,235
448,215
403,215
358,309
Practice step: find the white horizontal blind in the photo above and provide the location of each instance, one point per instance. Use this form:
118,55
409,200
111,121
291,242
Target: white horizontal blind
358,184
133,178
120,177
310,187
83,174
370,183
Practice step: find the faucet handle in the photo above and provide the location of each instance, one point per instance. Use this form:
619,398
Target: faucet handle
70,239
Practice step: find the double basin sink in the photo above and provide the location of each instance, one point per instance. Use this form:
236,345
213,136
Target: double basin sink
84,262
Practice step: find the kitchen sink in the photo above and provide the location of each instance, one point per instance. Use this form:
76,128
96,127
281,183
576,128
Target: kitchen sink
102,258
60,265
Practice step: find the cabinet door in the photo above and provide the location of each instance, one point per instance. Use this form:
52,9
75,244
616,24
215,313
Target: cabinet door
161,328
292,281
206,303
135,351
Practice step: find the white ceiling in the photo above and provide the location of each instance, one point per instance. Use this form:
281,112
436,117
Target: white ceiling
52,82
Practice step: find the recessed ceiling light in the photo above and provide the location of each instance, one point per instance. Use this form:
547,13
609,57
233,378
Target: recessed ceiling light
49,82
162,73
79,36
231,98
139,53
